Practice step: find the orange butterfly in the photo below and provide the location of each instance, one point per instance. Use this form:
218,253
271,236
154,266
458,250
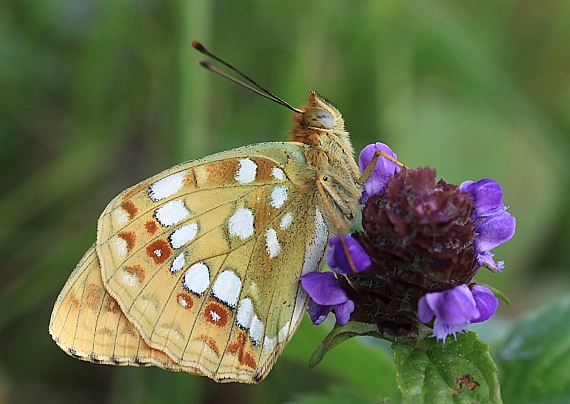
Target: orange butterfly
197,268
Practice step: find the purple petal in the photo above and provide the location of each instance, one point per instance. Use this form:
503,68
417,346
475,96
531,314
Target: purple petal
323,287
336,258
441,330
381,172
493,231
487,196
317,312
453,310
425,313
453,305
486,303
343,312
485,259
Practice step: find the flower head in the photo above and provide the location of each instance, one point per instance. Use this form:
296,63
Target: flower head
423,241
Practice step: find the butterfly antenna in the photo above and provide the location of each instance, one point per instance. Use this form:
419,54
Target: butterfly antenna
256,87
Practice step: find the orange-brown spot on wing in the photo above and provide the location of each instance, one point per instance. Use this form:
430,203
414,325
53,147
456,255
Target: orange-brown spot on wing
151,227
190,179
130,237
110,305
73,301
93,296
185,300
264,167
248,360
216,314
238,348
136,270
159,251
222,172
238,345
130,208
133,191
211,342
263,213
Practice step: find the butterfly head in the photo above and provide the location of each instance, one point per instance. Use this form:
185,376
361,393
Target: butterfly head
318,117
321,114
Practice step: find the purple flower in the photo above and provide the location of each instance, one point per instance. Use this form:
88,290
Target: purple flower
419,235
485,301
456,308
491,232
382,170
487,196
326,295
494,225
336,258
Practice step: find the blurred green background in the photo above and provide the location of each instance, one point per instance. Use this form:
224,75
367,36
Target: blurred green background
98,95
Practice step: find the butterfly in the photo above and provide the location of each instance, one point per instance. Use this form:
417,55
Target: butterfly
196,269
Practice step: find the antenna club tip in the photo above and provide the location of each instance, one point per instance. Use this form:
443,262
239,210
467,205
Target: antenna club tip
198,46
205,63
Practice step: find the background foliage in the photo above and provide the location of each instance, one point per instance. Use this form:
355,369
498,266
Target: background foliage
98,95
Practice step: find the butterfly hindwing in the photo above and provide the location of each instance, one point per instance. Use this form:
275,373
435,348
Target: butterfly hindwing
87,323
204,258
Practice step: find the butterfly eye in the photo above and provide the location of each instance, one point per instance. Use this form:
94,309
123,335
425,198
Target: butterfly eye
318,118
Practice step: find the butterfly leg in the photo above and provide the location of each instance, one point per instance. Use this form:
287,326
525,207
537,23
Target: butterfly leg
368,170
327,192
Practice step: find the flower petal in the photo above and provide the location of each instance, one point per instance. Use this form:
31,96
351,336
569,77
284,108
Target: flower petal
441,329
494,231
485,301
323,287
485,259
425,313
317,312
487,196
343,312
453,305
336,258
382,170
453,309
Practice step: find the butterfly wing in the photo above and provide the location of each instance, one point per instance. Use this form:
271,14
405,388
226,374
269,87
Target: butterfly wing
204,258
88,324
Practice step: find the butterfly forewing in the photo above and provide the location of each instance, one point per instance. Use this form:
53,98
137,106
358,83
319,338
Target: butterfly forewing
204,259
88,323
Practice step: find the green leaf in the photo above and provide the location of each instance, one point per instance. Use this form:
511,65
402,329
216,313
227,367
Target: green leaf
337,394
339,334
535,357
364,365
459,371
